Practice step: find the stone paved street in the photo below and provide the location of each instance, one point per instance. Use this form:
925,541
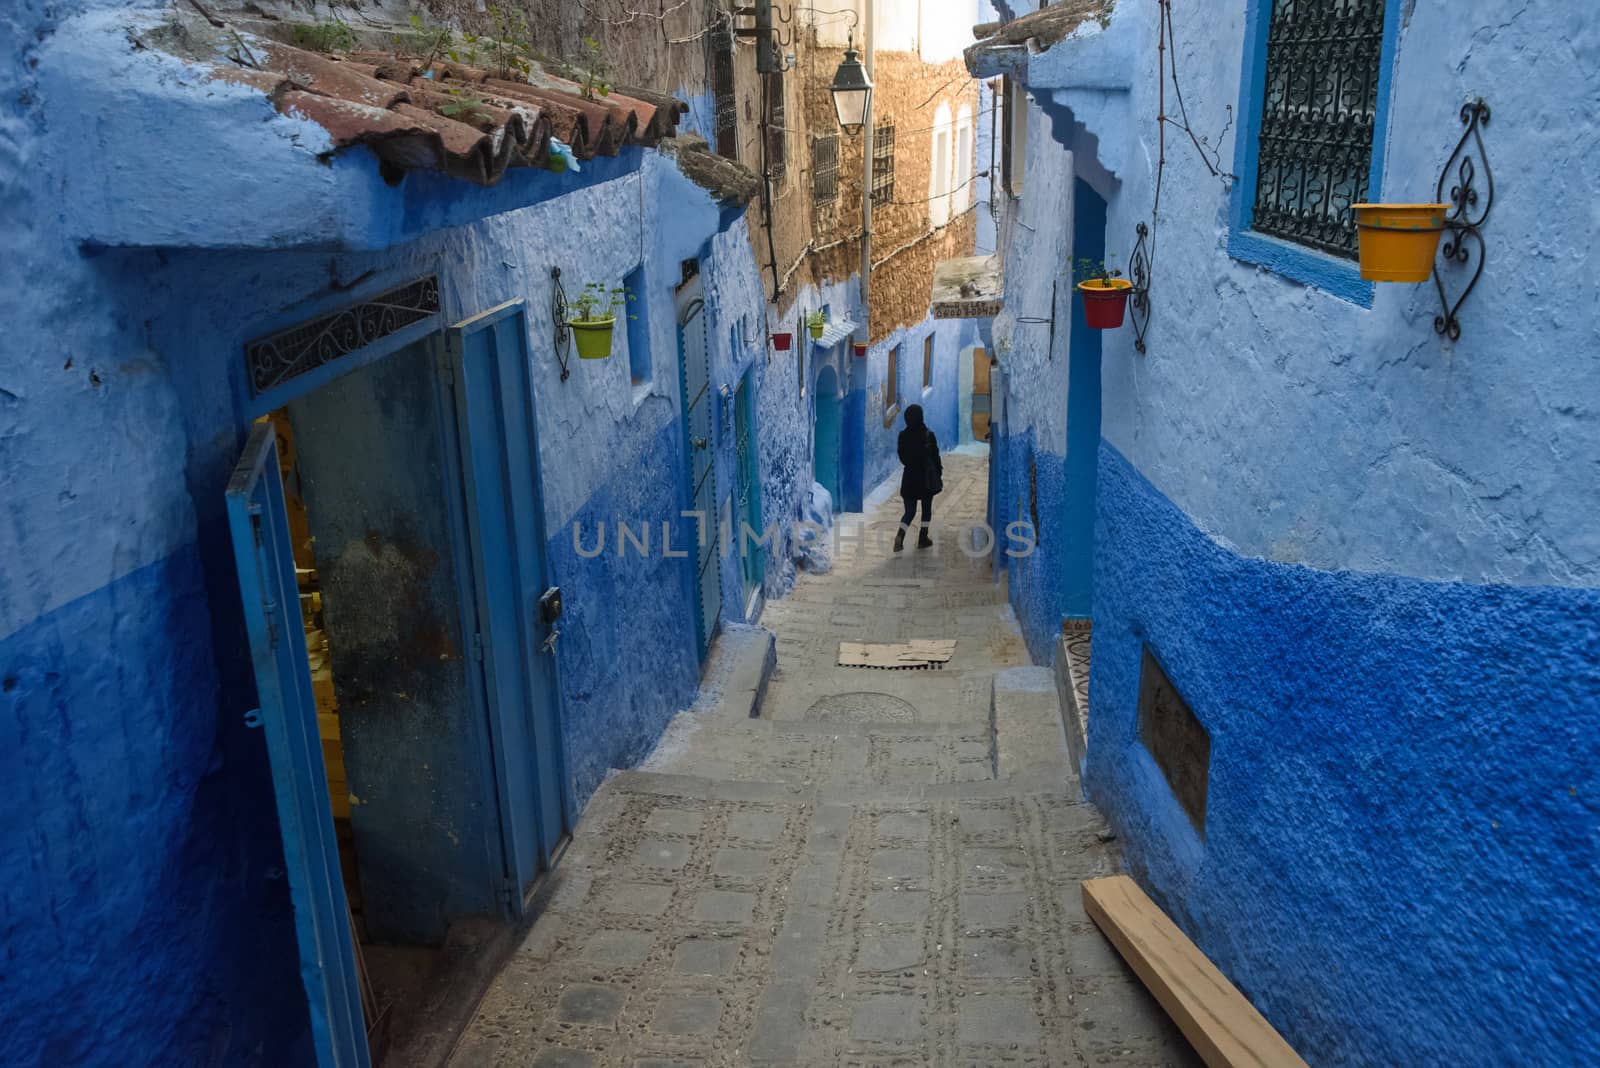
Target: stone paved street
882,869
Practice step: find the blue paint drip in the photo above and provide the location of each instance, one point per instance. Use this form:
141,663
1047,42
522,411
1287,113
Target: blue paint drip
1399,859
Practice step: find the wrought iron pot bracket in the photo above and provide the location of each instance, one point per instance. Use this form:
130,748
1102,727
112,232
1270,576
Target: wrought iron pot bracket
1469,211
1139,275
558,314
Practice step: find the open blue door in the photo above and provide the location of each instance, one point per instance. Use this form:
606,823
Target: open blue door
288,717
490,366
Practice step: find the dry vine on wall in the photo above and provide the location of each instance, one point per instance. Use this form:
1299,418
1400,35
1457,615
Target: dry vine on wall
1141,264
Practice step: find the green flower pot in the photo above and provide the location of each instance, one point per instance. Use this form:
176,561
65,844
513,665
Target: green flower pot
816,330
594,337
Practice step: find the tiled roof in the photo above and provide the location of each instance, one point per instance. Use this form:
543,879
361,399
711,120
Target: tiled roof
1038,29
450,117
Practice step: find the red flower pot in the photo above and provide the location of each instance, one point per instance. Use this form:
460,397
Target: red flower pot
1105,302
860,349
781,342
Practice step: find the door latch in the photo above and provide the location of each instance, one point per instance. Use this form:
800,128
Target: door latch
550,605
550,641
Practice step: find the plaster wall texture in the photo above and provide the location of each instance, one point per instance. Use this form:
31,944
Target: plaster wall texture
142,879
1346,437
1351,545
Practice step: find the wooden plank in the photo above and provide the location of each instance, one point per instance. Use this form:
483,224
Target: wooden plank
1219,1022
918,653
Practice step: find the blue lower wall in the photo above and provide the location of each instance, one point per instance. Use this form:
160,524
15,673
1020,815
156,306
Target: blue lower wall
627,649
1049,584
139,848
1400,856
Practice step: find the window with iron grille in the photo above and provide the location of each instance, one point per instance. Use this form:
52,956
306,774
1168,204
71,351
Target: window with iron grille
824,168
883,163
1318,112
719,46
777,143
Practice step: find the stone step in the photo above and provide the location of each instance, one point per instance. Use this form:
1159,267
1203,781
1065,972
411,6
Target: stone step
1027,722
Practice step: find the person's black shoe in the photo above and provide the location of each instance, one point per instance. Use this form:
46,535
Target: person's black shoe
899,540
923,541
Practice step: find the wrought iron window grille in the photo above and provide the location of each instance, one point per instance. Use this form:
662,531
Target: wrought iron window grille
883,164
1318,113
1469,211
824,168
287,354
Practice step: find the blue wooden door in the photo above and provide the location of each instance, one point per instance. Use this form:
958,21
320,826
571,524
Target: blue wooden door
752,558
699,422
288,717
489,364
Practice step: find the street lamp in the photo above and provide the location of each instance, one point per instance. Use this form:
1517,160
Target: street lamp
852,91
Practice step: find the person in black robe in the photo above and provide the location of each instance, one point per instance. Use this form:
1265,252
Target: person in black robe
923,476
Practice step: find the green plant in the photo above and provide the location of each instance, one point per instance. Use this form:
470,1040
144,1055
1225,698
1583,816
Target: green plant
1088,270
429,42
816,318
596,72
332,36
598,301
467,109
508,41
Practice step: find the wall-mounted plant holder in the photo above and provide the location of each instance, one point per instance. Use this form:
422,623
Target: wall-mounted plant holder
860,349
781,342
558,314
1139,275
1050,346
1469,211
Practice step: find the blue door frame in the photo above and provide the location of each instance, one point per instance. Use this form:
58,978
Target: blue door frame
288,716
485,363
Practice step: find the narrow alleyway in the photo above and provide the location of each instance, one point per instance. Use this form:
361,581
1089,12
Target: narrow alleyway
883,869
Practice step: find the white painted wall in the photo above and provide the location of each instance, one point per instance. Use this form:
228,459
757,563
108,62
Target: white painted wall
938,29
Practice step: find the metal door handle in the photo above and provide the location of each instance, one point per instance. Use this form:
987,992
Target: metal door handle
550,641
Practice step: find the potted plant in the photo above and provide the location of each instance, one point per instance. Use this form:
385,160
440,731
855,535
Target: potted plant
1105,295
596,316
782,341
860,349
816,322
1398,241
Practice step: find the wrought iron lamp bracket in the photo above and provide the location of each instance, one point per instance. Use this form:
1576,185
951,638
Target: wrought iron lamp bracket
1468,212
563,327
1139,275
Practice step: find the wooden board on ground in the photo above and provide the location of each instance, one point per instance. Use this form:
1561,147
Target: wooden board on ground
1219,1022
918,653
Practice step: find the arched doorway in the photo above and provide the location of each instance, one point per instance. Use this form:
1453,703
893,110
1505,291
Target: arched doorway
825,438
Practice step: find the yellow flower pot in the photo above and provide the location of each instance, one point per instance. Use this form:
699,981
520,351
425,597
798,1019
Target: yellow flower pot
593,337
1399,241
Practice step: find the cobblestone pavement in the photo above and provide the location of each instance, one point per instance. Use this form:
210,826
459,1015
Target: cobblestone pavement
881,870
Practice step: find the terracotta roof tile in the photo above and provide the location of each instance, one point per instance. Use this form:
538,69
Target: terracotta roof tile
452,117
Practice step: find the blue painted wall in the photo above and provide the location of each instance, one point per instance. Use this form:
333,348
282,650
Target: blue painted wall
940,401
1398,864
142,880
1364,555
